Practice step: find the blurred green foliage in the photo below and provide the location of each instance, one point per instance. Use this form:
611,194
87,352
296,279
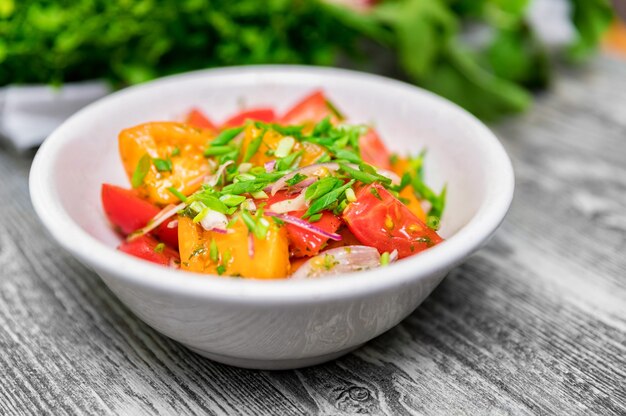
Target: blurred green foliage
131,41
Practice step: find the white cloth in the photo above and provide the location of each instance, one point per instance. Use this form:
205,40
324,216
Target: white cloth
29,113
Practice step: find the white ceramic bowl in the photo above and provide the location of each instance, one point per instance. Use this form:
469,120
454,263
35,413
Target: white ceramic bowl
272,324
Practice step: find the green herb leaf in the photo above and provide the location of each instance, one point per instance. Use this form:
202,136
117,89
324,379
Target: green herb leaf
159,248
142,169
327,200
226,136
254,145
162,165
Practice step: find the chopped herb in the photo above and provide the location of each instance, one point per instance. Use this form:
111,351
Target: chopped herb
384,259
278,221
162,165
327,200
284,146
329,261
159,248
393,159
315,217
348,155
433,222
322,187
175,151
177,194
350,195
334,110
142,169
218,150
374,192
259,195
364,177
220,269
297,178
322,127
254,145
226,136
289,162
232,200
213,252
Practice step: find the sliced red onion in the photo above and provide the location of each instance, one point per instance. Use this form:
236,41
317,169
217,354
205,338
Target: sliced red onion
220,230
157,220
339,260
299,222
172,224
250,245
296,204
307,170
213,180
269,166
213,220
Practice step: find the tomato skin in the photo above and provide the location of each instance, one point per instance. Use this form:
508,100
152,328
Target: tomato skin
144,248
303,243
266,115
312,108
197,118
129,213
387,224
374,151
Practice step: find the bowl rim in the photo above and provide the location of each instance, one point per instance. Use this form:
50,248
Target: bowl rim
102,257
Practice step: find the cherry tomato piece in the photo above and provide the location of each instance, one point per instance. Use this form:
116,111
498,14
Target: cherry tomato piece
129,213
311,109
374,151
266,115
148,248
303,243
198,119
380,220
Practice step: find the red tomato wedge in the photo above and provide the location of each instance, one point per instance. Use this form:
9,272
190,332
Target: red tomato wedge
129,213
303,243
266,115
374,151
197,119
312,108
147,248
378,219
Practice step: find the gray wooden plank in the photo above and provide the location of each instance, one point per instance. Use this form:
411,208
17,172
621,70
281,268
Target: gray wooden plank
533,324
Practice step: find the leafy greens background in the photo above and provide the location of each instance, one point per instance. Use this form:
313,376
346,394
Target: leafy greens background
131,41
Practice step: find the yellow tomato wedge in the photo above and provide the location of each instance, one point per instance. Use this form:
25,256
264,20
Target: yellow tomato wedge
178,143
230,252
400,166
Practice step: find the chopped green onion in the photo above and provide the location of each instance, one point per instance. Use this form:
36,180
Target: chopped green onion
217,150
244,167
159,248
259,195
327,200
162,165
175,151
315,217
253,147
244,177
248,220
384,259
297,178
220,269
203,213
232,200
322,187
284,146
177,194
226,136
289,162
142,169
374,192
213,252
350,195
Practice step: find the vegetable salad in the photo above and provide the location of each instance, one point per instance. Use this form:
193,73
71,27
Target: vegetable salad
261,195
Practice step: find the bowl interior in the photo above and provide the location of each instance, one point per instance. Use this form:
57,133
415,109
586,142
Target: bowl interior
408,120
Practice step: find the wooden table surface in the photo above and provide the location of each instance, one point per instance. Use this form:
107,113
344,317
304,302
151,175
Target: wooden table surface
533,324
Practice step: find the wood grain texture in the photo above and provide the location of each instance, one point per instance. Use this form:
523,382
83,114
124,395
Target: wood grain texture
533,324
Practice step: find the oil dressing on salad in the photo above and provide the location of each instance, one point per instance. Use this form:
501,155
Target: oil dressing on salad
301,195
